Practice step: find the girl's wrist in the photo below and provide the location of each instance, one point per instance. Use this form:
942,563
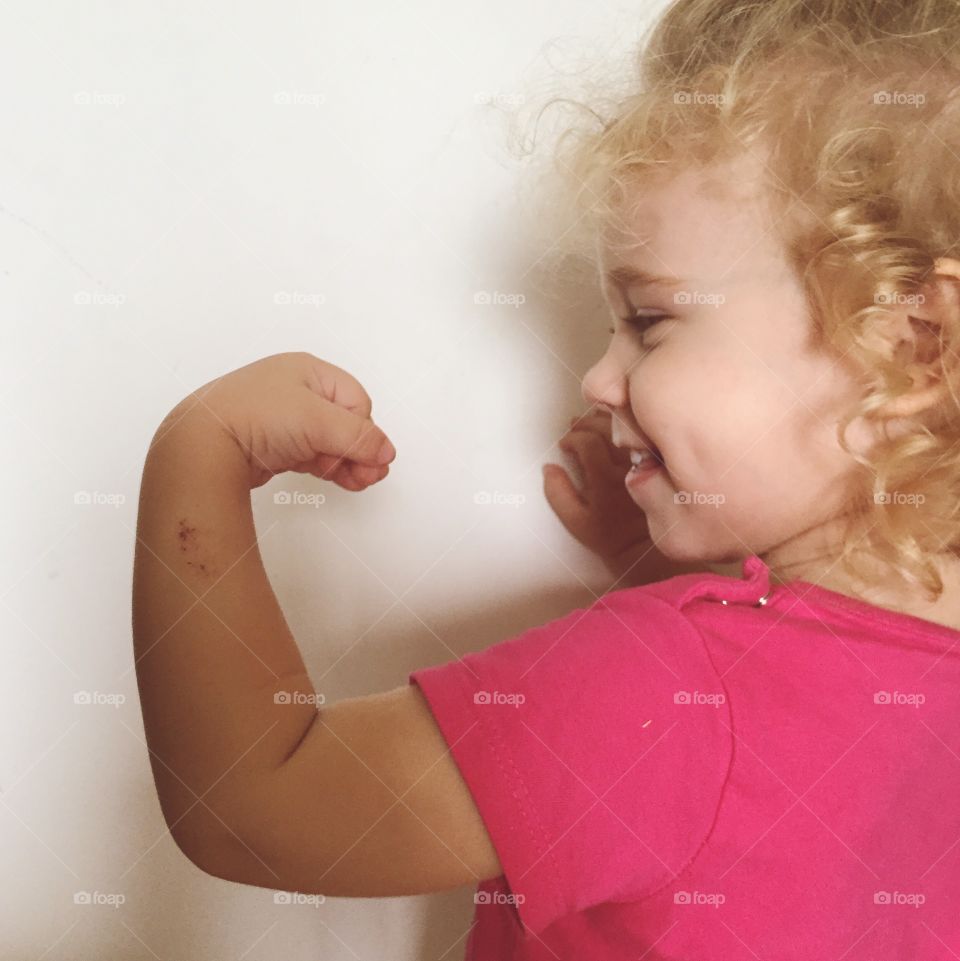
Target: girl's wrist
631,566
642,563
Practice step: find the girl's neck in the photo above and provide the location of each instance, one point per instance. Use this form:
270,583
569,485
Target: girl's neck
814,557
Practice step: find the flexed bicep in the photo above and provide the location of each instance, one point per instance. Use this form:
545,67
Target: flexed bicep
370,804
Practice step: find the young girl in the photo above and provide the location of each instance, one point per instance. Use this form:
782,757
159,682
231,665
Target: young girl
697,765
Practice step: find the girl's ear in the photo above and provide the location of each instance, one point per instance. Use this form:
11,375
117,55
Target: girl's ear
913,336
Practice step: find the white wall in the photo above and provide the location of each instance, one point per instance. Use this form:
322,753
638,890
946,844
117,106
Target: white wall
158,204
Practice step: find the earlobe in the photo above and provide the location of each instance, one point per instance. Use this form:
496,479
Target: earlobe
914,338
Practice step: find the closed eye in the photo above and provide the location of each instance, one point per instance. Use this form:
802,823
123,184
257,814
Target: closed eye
643,322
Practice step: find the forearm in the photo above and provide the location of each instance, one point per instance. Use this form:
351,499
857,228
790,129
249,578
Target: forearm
210,640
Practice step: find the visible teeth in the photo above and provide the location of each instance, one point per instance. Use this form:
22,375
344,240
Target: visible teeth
640,456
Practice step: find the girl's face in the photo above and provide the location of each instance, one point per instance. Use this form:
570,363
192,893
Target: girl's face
718,375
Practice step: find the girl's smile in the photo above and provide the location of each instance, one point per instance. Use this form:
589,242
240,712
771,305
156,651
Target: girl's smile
724,384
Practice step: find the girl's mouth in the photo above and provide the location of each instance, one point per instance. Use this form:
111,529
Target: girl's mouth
644,463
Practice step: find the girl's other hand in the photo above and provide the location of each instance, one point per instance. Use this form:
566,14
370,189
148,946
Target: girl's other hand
602,515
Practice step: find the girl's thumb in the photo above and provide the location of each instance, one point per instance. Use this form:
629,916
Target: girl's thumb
347,435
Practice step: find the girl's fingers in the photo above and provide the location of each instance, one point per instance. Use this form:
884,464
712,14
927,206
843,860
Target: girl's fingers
335,384
324,466
367,475
599,422
345,473
566,501
338,431
578,444
596,457
593,418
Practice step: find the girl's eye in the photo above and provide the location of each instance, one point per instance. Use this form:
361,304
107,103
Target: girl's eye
643,322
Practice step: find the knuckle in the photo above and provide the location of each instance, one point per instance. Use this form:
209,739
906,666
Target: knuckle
593,442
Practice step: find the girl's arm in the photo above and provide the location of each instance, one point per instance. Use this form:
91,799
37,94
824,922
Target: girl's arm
360,797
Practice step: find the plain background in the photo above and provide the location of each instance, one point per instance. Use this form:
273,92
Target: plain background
189,188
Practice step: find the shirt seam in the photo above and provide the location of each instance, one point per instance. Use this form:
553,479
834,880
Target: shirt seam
728,743
500,750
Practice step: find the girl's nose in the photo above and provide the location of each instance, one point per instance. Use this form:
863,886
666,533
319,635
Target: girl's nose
604,384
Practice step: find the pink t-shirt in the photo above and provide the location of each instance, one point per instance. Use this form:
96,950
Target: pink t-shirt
668,777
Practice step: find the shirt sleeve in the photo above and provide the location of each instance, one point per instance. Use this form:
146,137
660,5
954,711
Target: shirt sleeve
596,748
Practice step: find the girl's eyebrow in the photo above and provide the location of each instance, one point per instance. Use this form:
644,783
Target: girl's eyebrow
627,276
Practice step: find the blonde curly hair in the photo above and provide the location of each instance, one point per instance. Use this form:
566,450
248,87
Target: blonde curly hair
856,106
